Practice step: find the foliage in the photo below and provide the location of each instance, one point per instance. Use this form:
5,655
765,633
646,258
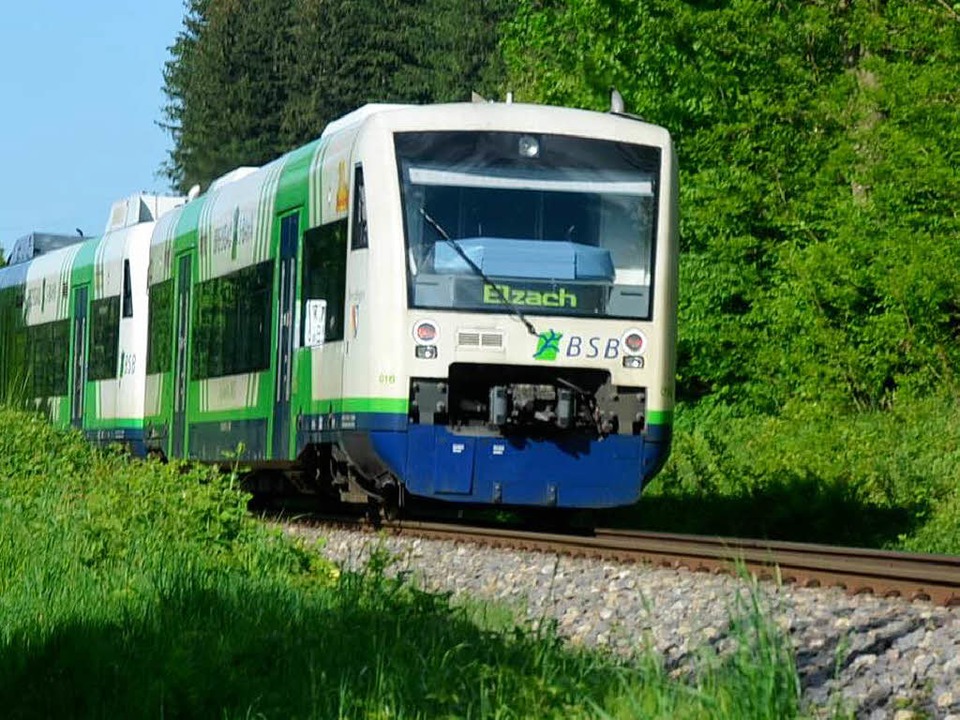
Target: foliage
223,84
97,513
248,81
818,145
884,478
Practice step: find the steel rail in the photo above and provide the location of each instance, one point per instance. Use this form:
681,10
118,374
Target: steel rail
914,576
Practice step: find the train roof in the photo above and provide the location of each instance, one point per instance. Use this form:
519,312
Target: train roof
358,116
519,117
486,111
40,243
140,208
474,116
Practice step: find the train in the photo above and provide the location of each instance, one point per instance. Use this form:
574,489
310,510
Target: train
472,303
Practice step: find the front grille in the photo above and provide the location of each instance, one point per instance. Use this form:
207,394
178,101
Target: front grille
479,340
468,339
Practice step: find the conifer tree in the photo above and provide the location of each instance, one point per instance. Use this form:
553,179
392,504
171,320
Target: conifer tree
248,81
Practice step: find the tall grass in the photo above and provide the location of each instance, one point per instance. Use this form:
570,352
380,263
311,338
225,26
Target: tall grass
131,589
877,479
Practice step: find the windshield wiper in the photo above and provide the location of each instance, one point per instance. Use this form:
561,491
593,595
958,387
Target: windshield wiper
476,269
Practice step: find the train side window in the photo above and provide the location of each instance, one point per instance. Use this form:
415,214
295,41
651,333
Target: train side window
13,335
104,338
324,278
231,323
160,327
46,372
359,240
127,291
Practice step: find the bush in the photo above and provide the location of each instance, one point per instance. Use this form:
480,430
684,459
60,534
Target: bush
878,478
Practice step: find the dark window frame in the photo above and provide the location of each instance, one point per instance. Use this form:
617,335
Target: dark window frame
104,338
232,323
160,327
324,275
359,234
127,291
48,362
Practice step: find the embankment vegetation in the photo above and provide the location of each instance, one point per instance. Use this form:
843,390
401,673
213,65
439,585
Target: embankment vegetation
136,589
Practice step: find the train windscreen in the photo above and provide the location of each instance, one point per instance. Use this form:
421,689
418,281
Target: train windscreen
552,224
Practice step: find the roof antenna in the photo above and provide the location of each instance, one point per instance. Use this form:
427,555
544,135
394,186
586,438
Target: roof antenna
477,97
616,101
194,192
79,232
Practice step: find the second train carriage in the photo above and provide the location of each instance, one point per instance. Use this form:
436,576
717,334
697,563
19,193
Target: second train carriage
73,316
467,302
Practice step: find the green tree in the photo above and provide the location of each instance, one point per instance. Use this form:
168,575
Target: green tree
818,147
225,89
248,81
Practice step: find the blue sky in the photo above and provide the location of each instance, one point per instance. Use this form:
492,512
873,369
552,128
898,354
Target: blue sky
80,97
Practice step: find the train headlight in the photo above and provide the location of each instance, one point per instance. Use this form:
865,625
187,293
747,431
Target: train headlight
529,146
426,332
633,342
633,361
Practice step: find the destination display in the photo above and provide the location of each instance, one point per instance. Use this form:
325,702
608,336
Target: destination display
463,292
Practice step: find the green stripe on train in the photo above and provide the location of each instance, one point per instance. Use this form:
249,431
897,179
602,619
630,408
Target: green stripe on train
660,417
113,424
364,405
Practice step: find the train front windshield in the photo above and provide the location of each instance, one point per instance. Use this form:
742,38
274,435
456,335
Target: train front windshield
561,225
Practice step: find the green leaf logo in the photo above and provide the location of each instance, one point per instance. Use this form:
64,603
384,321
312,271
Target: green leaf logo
548,345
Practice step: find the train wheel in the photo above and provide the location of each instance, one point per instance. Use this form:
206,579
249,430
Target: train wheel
392,505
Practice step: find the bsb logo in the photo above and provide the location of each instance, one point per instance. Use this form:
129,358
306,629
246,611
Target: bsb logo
550,345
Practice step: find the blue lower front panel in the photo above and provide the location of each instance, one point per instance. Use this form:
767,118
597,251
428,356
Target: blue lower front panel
571,472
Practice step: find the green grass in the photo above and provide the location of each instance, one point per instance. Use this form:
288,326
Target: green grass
874,479
131,589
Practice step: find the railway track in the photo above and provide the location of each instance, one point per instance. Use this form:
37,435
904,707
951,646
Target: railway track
933,578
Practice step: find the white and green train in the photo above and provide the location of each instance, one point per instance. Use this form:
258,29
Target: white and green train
468,302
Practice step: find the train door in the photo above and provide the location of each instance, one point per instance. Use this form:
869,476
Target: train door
79,370
180,370
286,297
323,281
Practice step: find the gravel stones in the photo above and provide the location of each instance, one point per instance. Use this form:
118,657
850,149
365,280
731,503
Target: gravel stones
885,658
